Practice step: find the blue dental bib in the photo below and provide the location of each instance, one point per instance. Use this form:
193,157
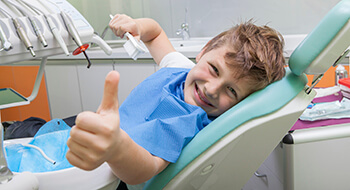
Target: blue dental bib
52,140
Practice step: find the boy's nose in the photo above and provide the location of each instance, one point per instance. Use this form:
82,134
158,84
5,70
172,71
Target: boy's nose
212,90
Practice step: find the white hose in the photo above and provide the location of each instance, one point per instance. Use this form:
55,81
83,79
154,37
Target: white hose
41,152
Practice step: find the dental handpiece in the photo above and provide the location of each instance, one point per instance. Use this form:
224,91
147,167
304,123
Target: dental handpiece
54,30
28,13
57,35
75,35
23,36
38,32
71,29
6,44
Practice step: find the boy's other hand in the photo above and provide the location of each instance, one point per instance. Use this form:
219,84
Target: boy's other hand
96,136
122,23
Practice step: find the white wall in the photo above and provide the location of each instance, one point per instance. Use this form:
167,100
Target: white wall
207,18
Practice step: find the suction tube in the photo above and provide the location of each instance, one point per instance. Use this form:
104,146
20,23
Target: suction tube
41,152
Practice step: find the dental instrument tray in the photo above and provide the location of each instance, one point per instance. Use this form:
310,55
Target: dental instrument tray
42,28
10,98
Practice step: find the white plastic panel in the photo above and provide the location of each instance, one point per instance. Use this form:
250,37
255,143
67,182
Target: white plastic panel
319,160
91,83
63,90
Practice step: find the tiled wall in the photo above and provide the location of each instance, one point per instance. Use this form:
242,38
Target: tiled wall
207,18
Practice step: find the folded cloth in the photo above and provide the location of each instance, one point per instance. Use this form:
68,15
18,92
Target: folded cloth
27,128
52,140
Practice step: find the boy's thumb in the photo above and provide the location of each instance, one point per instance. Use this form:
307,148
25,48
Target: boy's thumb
110,93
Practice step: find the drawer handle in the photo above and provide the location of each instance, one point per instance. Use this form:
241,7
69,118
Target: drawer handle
259,175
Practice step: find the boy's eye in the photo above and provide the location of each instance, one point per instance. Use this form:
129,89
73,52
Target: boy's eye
232,91
215,69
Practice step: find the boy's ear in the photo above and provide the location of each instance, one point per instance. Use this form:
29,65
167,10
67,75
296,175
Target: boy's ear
199,56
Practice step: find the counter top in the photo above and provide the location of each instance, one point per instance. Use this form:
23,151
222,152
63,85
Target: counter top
189,48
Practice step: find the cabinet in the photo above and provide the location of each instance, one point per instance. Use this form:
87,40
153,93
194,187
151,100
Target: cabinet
72,88
318,158
308,159
269,176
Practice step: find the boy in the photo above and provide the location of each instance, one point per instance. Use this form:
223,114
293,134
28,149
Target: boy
231,66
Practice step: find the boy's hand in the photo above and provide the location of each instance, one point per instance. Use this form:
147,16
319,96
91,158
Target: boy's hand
96,136
145,29
123,23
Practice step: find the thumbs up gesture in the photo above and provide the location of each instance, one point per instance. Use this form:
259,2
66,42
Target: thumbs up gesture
96,136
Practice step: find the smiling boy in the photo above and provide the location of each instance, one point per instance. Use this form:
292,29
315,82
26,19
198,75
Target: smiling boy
211,85
139,139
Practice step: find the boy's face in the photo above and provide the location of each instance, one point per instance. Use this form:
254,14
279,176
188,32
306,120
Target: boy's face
211,85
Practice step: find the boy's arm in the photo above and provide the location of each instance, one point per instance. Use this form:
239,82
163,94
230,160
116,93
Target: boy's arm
97,138
146,29
139,166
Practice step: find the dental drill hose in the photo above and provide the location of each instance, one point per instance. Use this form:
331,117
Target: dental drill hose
23,36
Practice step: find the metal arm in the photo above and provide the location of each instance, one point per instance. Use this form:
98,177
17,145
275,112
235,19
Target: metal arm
5,173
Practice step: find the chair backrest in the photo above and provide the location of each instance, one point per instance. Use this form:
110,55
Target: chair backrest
226,153
323,46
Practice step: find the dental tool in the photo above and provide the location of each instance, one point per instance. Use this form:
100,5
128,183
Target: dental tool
57,34
133,47
54,30
23,36
20,32
6,44
76,38
29,13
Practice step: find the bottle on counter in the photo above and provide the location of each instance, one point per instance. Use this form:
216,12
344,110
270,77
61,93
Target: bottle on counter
340,73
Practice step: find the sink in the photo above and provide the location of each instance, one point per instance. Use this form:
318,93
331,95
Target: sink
178,43
71,178
193,42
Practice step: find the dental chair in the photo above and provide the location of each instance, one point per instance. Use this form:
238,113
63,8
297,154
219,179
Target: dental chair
226,153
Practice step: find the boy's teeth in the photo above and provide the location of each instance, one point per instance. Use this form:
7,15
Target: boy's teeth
200,97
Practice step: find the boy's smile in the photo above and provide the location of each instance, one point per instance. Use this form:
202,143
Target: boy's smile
201,98
211,84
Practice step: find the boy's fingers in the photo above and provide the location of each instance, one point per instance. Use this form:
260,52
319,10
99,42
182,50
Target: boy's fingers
110,93
89,122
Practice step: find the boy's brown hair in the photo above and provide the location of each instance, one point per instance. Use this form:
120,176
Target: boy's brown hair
255,52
